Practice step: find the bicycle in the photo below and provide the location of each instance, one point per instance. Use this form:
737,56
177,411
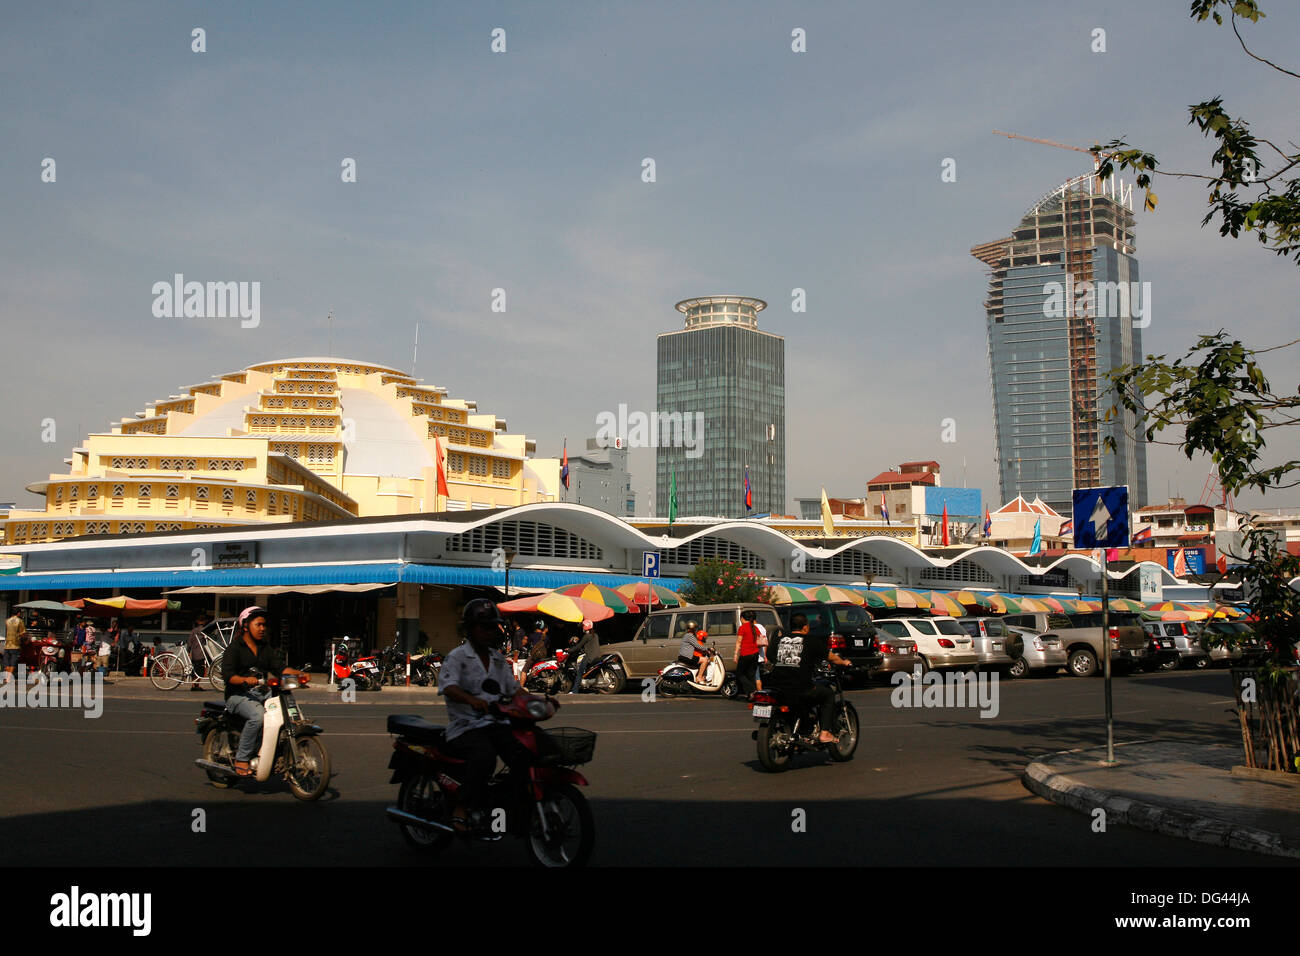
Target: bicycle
171,669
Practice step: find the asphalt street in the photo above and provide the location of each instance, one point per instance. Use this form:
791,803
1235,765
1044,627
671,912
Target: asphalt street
673,782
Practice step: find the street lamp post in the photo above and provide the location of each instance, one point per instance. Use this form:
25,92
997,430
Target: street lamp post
510,557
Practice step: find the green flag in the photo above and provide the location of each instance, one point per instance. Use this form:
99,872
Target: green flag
672,500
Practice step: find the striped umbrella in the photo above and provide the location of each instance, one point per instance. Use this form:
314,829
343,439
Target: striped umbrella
833,595
875,599
640,594
785,594
943,604
1125,604
906,599
971,599
598,594
559,606
1224,610
1051,603
1171,606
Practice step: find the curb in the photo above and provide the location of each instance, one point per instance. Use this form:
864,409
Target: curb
1062,789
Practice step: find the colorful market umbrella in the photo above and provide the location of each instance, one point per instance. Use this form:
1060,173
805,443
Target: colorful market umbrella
875,599
122,606
1224,610
1082,607
1052,604
784,594
906,599
1126,604
971,599
941,603
598,594
834,595
557,605
655,595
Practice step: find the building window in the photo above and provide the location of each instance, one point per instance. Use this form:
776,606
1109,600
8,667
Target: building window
92,491
500,469
455,462
201,493
146,491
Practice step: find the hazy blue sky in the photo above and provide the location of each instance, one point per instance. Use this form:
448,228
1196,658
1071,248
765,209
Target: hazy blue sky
522,170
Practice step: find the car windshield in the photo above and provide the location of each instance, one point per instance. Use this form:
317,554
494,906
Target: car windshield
850,615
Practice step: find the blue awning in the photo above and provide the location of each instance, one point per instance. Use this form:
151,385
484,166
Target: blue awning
389,573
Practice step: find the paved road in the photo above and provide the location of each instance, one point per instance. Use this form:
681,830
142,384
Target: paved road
673,782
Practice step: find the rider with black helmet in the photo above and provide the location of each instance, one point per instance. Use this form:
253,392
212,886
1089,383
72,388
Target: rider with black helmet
472,732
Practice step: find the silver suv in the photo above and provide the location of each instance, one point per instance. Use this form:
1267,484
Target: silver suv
940,641
1081,637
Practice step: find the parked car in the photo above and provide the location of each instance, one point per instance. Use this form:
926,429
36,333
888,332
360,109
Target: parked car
655,644
941,642
850,628
1175,637
1081,638
1222,640
998,648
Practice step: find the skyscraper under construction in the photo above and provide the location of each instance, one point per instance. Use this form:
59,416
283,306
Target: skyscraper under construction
1064,308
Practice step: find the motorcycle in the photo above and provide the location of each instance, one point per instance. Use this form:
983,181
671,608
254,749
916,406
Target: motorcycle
364,670
290,745
546,808
604,675
678,678
788,724
425,669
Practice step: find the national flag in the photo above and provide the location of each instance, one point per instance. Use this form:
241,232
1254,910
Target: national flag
672,500
945,524
884,510
440,455
1222,564
988,523
827,524
1180,563
1066,528
564,466
1144,536
1112,554
749,492
1036,547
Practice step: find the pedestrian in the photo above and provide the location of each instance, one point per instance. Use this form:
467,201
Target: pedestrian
745,655
197,660
762,655
15,638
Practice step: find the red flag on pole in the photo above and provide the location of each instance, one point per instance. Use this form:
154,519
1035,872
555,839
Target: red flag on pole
442,469
945,524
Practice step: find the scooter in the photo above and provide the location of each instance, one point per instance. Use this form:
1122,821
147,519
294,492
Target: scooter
364,670
545,807
290,745
677,678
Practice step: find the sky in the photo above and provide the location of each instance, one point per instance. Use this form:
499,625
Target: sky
523,170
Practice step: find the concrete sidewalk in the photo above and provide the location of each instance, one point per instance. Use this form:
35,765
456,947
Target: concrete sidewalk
1183,790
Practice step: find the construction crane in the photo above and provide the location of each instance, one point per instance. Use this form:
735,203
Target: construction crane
1096,157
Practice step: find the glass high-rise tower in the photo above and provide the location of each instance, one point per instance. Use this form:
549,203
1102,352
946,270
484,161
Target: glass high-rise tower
1064,308
722,372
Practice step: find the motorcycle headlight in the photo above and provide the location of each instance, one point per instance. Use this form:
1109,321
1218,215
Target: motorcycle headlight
537,709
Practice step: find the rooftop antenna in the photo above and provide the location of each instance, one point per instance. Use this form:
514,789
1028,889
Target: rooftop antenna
416,350
330,340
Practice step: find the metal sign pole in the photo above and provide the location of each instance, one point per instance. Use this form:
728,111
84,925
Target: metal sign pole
1105,644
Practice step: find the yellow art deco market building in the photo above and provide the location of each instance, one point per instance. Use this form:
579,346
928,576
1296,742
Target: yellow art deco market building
290,440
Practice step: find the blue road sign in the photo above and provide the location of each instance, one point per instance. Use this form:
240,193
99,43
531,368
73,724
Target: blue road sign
649,564
1101,517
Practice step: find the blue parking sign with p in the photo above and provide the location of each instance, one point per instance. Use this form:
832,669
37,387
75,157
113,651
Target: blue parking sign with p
649,564
1101,517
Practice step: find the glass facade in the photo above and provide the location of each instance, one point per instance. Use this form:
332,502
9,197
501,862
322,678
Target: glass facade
1051,346
722,367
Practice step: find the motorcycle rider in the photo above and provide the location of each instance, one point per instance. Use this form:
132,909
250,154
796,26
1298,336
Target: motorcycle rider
694,651
473,734
793,662
585,645
244,692
539,645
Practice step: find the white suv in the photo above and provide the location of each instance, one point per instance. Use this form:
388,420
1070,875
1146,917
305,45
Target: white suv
940,641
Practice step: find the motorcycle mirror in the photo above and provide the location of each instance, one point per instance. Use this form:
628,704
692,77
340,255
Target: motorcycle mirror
492,687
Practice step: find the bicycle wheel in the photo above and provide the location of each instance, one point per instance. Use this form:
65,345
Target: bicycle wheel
166,672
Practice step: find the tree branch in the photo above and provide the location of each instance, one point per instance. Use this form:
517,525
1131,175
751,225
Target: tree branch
1259,58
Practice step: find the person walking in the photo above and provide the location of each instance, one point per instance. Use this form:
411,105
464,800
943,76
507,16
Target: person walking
745,655
15,637
198,663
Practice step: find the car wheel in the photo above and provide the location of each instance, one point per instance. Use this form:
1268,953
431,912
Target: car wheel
1019,668
1202,663
1083,663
